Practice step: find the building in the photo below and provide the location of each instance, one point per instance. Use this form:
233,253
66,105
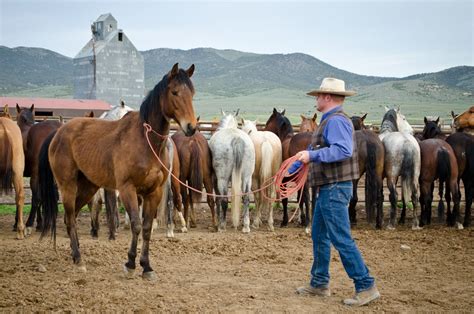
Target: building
54,107
109,67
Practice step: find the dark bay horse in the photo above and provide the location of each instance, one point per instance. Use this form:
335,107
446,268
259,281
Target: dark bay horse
12,163
432,129
195,169
86,154
371,156
463,146
438,161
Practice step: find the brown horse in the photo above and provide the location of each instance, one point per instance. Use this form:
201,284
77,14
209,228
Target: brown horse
464,121
371,154
25,118
281,126
195,168
87,154
438,161
463,146
308,124
12,163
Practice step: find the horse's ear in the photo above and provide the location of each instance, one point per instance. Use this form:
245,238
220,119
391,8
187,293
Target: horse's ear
237,113
302,117
437,121
122,103
452,113
18,109
222,112
315,116
387,108
5,109
426,120
61,119
242,121
283,112
32,107
274,110
363,117
398,108
198,118
174,71
190,71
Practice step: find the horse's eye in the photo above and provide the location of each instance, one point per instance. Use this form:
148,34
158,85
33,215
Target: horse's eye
175,93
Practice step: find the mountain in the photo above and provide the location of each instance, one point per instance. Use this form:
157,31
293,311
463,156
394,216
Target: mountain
254,82
24,68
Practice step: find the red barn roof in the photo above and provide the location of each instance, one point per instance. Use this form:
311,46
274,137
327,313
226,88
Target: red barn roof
55,103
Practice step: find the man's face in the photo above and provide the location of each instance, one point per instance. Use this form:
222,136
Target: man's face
322,102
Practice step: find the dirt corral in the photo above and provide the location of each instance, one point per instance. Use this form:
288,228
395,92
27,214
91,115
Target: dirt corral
216,272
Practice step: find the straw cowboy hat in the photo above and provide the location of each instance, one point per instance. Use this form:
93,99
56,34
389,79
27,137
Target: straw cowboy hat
332,86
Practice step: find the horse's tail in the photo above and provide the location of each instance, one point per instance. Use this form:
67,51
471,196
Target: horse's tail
238,147
470,159
443,167
266,166
372,184
196,172
48,190
407,172
6,168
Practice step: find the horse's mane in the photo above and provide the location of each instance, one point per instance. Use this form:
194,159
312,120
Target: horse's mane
284,124
224,123
389,121
152,100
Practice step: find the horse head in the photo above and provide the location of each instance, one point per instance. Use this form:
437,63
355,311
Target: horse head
308,124
402,123
228,121
432,128
279,124
463,120
25,116
249,126
5,113
117,112
172,98
358,122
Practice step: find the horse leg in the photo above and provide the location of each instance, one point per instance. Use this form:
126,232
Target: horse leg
425,191
35,204
222,209
353,203
210,199
379,202
441,203
95,208
393,204
150,204
130,201
177,202
469,188
414,202
19,201
258,197
169,211
246,203
110,200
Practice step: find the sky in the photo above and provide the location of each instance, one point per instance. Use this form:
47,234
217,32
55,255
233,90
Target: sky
382,38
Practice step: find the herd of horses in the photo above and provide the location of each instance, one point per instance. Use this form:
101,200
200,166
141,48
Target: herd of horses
132,154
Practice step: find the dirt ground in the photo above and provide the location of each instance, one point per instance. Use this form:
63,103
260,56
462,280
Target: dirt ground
203,271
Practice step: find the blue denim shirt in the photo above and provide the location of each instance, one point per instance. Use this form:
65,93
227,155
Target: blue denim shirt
338,139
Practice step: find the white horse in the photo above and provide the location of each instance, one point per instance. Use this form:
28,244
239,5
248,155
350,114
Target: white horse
267,162
402,159
233,158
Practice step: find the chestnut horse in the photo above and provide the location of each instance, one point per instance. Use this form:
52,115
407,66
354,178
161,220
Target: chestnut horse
308,124
86,154
464,121
12,163
195,168
438,161
371,155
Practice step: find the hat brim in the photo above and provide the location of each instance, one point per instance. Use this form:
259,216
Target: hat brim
320,91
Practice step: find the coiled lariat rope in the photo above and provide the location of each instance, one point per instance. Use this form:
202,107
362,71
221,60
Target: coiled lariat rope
292,184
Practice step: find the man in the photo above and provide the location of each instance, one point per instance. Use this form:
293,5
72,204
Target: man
333,166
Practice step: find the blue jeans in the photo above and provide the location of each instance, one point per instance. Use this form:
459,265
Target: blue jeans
331,225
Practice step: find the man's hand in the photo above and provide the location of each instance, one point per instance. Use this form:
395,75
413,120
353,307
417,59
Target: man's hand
303,156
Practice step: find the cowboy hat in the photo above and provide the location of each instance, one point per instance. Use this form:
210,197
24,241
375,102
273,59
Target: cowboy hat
332,86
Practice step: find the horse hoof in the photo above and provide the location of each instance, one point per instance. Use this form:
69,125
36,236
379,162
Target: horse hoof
307,230
390,227
169,234
184,230
459,226
150,276
20,235
154,225
128,272
416,228
255,226
28,231
271,228
246,229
